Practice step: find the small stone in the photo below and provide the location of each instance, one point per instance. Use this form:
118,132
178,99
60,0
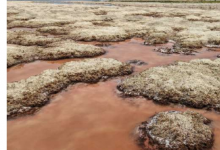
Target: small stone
136,62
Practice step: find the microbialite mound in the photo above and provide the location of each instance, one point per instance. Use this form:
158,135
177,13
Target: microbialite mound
193,28
195,83
28,95
64,49
173,130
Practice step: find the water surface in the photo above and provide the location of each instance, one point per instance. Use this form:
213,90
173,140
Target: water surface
95,116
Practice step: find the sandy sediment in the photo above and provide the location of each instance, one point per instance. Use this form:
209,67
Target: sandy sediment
28,95
63,49
195,83
173,130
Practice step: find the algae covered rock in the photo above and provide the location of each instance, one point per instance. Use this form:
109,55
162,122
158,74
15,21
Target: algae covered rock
195,83
173,130
30,94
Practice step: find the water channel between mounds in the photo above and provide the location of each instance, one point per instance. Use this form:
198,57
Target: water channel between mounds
95,116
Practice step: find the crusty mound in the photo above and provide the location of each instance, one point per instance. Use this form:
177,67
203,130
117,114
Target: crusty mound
28,95
195,83
64,49
27,38
103,34
173,130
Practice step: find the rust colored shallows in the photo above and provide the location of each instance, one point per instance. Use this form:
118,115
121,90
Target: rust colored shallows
123,51
94,116
89,117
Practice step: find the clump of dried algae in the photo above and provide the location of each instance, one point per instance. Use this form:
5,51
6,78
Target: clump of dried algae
28,95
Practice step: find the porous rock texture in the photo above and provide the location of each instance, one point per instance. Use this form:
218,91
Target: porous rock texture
27,38
174,130
195,83
63,49
136,62
175,50
28,95
196,25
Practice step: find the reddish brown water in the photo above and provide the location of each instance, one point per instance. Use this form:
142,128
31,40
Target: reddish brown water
89,117
123,51
23,71
94,116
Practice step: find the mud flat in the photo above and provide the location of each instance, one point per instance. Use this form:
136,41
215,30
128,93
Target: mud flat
28,95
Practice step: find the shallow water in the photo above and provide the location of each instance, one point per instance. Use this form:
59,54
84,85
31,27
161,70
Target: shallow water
94,116
123,51
89,116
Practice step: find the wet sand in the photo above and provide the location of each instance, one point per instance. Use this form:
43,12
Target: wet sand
123,51
94,116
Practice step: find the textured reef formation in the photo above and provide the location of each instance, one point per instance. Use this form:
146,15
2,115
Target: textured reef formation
26,96
195,84
173,130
